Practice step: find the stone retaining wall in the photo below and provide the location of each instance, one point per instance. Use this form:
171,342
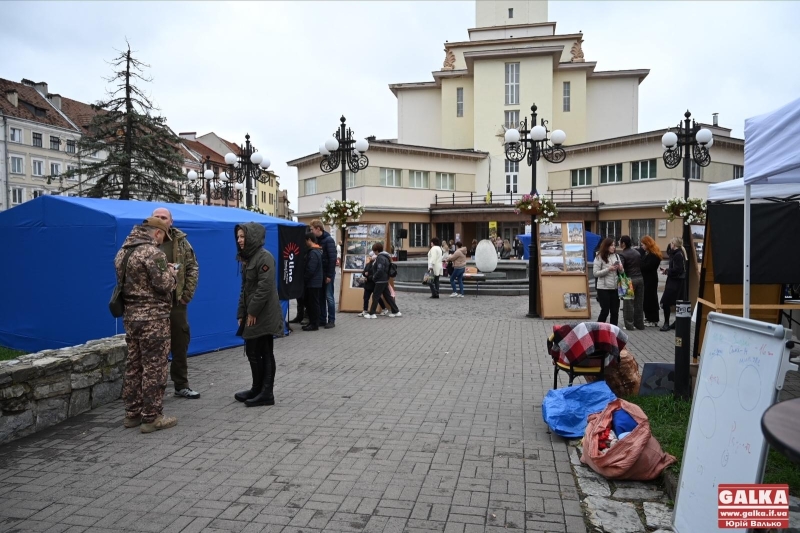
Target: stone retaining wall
42,389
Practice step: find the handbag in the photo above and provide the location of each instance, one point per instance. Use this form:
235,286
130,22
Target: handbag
624,287
117,303
427,278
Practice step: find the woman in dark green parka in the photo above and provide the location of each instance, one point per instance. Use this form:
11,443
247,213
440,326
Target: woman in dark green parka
259,311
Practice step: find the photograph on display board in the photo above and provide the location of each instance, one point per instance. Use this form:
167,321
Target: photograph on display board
357,232
357,281
551,248
369,246
354,262
551,230
662,227
698,232
576,264
553,264
574,301
574,232
357,247
377,231
574,250
698,248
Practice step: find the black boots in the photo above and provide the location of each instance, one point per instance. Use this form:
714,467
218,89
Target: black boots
258,379
265,396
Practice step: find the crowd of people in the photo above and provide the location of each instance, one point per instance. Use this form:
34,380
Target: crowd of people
641,264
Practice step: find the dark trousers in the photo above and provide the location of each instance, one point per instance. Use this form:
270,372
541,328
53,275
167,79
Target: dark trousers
609,303
382,291
300,308
434,285
311,299
260,351
180,337
633,310
367,294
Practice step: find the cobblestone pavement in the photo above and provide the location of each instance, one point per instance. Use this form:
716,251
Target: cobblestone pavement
429,422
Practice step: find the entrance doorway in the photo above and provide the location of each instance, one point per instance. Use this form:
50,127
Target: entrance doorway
510,230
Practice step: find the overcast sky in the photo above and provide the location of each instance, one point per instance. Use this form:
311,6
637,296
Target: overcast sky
286,71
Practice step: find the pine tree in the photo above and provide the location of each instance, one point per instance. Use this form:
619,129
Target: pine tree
142,155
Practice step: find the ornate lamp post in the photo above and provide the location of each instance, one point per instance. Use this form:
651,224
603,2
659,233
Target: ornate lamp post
343,150
535,144
198,189
695,142
247,168
225,189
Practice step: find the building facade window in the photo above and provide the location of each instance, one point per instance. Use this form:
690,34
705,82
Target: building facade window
271,199
15,135
642,227
55,143
36,139
581,177
512,176
55,169
263,197
70,147
611,173
695,171
349,179
610,228
420,235
394,233
17,195
566,96
445,181
460,102
512,83
512,119
390,177
17,165
643,170
511,12
417,179
445,231
311,186
73,177
738,172
37,193
37,167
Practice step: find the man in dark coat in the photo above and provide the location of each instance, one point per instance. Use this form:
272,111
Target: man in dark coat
259,312
328,302
147,291
312,278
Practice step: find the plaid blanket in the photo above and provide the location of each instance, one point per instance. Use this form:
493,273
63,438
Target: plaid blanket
573,343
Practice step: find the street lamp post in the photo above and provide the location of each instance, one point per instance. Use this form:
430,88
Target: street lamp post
225,189
535,144
342,150
695,142
247,168
198,189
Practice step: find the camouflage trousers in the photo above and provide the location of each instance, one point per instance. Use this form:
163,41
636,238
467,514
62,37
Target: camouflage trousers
146,368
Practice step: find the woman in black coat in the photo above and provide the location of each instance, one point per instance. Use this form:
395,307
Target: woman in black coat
676,277
312,279
651,260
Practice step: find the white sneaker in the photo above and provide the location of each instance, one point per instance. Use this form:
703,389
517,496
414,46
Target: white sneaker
454,295
370,316
392,315
362,313
460,295
385,312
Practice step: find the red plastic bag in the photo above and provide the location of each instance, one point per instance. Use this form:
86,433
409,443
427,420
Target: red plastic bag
637,457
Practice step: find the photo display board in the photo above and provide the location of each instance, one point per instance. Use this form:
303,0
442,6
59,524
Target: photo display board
563,271
357,245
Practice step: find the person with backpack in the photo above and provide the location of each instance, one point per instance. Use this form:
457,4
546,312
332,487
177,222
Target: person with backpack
369,287
312,278
383,270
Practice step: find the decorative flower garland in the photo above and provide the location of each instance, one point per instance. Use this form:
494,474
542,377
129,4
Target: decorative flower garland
692,210
338,212
542,207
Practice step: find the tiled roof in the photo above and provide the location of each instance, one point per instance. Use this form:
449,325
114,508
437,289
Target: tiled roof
78,112
233,146
204,151
31,96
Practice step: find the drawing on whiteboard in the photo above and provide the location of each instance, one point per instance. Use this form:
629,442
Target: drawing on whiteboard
725,457
749,387
707,417
718,377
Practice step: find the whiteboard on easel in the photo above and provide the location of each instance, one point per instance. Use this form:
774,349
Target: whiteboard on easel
742,367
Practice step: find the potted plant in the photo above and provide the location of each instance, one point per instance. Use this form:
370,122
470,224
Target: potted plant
339,212
541,207
691,210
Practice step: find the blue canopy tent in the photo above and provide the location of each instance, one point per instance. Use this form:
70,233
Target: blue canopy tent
57,264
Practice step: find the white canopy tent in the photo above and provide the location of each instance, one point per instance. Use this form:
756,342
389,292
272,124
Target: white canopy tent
733,190
771,157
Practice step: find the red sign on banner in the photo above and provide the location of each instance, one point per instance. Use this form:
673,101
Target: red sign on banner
753,506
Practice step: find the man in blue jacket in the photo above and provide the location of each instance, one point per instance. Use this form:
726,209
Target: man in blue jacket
327,308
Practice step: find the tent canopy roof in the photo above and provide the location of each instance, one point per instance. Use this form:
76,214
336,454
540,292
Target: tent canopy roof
771,149
734,190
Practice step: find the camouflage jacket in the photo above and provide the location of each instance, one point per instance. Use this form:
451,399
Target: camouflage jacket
189,271
148,284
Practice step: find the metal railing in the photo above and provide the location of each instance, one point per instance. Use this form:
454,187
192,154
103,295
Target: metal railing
509,198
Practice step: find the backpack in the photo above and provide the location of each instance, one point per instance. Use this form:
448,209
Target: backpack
392,270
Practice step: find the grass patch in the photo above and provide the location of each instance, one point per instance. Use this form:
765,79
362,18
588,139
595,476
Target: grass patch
8,353
669,421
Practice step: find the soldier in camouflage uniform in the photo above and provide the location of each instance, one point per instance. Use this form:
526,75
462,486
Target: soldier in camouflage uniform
147,292
179,251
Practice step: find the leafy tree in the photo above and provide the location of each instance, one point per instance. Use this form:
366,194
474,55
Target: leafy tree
142,155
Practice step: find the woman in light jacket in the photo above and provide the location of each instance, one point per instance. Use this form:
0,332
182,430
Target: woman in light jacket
607,265
459,259
435,265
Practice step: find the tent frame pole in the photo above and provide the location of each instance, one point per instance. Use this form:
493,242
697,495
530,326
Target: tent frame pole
746,295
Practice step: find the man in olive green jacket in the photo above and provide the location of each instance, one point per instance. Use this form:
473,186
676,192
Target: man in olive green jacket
179,251
259,313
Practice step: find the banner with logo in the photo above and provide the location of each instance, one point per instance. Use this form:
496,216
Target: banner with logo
291,246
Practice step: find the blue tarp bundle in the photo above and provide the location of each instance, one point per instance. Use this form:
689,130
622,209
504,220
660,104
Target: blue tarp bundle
57,265
566,411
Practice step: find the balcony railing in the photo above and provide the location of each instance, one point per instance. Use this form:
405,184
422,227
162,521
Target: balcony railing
509,198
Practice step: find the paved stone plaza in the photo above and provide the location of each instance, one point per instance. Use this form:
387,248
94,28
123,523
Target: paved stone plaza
429,422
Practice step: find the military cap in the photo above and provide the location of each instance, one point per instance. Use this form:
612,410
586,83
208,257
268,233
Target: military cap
157,223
